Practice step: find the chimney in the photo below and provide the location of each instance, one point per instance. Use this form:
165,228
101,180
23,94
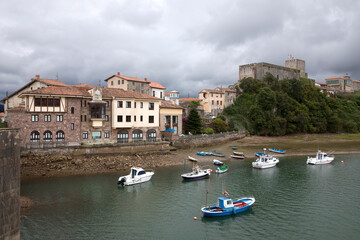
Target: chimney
145,79
37,76
118,74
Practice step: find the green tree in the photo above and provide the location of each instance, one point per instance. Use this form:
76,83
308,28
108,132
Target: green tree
193,123
219,125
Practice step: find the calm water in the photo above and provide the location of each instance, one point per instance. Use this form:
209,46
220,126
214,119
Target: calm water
293,201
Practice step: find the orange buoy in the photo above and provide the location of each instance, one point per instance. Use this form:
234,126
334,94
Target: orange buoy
195,218
342,161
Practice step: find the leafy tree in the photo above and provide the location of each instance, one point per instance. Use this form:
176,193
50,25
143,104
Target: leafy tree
209,130
193,122
194,104
219,125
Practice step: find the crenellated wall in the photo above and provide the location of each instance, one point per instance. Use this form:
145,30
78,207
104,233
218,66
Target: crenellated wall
9,184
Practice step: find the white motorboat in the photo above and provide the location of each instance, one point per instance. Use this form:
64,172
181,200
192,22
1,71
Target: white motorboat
192,159
137,175
321,158
197,173
265,161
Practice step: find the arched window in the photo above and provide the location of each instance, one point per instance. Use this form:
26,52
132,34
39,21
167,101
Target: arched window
151,135
35,136
137,135
47,136
60,136
123,136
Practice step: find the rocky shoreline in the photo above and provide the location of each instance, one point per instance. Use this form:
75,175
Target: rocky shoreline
51,165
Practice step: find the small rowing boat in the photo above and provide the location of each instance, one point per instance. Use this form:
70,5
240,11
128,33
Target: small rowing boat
217,162
192,159
276,150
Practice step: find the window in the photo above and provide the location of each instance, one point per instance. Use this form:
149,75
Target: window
220,102
119,104
151,106
107,104
96,134
84,118
137,135
161,95
134,104
153,93
141,104
85,135
106,134
122,81
35,136
47,136
134,118
72,110
59,118
151,135
72,126
128,104
112,83
212,102
141,118
60,136
123,136
118,82
128,118
84,103
119,118
34,118
47,102
212,95
106,118
151,119
175,119
133,83
97,110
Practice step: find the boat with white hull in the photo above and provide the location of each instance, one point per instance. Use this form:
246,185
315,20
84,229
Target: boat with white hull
197,173
137,175
321,158
265,161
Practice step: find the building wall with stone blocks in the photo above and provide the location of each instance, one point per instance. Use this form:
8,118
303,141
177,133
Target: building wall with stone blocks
297,64
9,184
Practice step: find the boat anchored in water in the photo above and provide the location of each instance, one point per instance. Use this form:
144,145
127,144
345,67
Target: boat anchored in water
218,162
192,159
321,158
265,161
276,150
197,173
226,206
137,175
222,169
238,155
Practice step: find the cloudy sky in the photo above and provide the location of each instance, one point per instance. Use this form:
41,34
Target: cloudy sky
185,45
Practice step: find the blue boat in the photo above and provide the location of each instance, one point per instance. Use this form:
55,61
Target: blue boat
258,154
204,153
217,154
276,150
225,206
217,162
234,148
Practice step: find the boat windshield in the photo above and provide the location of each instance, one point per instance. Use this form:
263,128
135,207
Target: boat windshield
141,172
133,173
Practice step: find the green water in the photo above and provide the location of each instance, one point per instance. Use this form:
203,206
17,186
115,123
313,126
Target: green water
293,201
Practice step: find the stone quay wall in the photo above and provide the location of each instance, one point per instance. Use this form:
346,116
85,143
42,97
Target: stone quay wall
203,140
9,184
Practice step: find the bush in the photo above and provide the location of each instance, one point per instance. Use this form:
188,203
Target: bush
209,130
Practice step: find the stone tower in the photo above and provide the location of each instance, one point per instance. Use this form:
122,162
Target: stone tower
297,64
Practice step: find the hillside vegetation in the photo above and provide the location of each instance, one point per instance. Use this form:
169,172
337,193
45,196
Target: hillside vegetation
274,108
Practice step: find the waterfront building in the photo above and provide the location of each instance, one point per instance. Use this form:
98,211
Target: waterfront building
212,101
171,117
356,85
172,96
185,103
157,90
228,96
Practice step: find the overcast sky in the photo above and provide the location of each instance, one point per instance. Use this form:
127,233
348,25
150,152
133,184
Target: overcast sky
185,45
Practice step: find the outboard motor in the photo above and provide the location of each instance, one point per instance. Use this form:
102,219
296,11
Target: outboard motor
122,181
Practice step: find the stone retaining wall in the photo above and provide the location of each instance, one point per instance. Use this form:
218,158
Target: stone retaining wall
9,184
206,140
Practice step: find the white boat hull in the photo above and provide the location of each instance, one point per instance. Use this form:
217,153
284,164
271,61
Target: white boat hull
264,162
314,161
263,166
138,179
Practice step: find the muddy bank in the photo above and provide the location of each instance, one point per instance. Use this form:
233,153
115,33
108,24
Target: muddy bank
33,166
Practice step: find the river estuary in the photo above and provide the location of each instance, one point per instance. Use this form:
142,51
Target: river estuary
293,201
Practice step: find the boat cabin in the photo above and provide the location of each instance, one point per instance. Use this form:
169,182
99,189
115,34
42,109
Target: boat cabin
137,171
225,203
321,155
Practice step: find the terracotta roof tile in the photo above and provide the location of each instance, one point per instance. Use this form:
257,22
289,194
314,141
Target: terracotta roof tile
212,91
128,78
58,91
188,99
16,109
84,86
167,94
156,85
167,104
120,93
51,82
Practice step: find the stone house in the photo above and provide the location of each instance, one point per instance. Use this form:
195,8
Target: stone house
340,84
157,90
212,101
129,83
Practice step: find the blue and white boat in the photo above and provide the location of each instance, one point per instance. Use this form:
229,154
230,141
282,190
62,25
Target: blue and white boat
217,154
234,147
218,162
226,206
204,153
197,173
276,150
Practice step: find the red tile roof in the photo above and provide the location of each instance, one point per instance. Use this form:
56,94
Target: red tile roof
156,85
51,82
120,93
167,104
167,94
84,86
188,99
128,78
212,91
58,91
